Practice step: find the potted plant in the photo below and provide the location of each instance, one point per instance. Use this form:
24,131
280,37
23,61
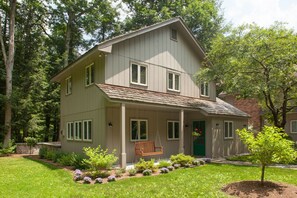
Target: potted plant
196,132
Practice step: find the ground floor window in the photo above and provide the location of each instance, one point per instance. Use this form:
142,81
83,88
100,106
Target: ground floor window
228,129
87,130
172,130
293,126
70,130
77,130
138,129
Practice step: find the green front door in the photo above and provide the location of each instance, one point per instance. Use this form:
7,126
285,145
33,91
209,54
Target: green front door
199,142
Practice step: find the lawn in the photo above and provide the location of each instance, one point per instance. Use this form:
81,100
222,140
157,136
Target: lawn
21,177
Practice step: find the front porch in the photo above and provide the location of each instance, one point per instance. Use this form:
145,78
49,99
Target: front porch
170,128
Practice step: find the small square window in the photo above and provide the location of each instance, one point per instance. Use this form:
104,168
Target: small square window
174,34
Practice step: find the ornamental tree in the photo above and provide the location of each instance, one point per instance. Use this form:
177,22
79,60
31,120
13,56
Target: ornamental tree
255,62
268,146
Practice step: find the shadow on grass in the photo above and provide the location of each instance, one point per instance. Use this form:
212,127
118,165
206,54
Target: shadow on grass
47,164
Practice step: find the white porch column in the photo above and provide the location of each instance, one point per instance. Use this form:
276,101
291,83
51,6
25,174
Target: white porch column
181,131
123,136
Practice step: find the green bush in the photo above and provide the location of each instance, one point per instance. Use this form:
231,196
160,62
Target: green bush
9,149
164,164
43,152
144,165
132,172
31,142
181,159
58,155
98,174
99,159
50,154
147,172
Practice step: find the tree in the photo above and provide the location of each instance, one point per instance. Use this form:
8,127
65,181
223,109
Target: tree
8,59
255,62
269,146
203,17
31,142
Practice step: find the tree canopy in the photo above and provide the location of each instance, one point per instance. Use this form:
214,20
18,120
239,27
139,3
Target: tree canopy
256,62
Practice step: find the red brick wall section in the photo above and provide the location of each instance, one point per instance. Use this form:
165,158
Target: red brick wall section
249,106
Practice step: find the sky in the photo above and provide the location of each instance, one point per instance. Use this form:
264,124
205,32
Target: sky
262,12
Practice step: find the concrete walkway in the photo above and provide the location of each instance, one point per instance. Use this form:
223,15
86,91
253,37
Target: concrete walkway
240,163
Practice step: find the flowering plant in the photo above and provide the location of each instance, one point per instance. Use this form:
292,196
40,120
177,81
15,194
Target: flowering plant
197,132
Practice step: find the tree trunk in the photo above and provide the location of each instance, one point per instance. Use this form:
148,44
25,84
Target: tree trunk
47,127
68,38
262,175
9,69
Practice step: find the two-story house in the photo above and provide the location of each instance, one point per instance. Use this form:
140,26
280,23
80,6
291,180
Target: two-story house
138,87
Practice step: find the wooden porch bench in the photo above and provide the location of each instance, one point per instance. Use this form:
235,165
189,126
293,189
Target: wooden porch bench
147,148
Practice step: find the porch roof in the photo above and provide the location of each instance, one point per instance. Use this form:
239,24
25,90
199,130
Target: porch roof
128,94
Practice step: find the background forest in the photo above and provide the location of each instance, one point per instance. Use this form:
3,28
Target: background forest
50,34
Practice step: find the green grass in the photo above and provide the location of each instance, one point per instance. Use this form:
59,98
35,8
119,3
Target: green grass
21,177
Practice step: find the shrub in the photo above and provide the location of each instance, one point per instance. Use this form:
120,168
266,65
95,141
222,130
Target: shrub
164,164
181,159
147,172
98,180
119,172
65,159
143,165
87,180
176,166
196,162
96,174
164,170
31,142
111,178
99,159
9,149
269,146
50,154
171,168
132,172
58,155
43,152
78,172
77,177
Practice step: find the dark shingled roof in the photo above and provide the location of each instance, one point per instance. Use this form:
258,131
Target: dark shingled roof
218,107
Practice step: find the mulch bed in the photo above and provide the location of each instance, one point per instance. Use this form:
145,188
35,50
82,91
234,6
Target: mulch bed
253,189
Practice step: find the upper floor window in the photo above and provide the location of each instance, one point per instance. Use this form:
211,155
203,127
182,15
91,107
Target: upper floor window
68,85
204,88
70,130
139,130
173,34
89,74
138,74
87,130
293,126
173,81
173,130
228,129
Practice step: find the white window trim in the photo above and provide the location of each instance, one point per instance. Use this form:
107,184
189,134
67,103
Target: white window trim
67,130
203,84
229,138
68,89
291,123
90,74
138,131
138,71
174,74
83,132
74,131
173,121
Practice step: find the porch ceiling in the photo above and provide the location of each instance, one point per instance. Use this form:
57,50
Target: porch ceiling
134,95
